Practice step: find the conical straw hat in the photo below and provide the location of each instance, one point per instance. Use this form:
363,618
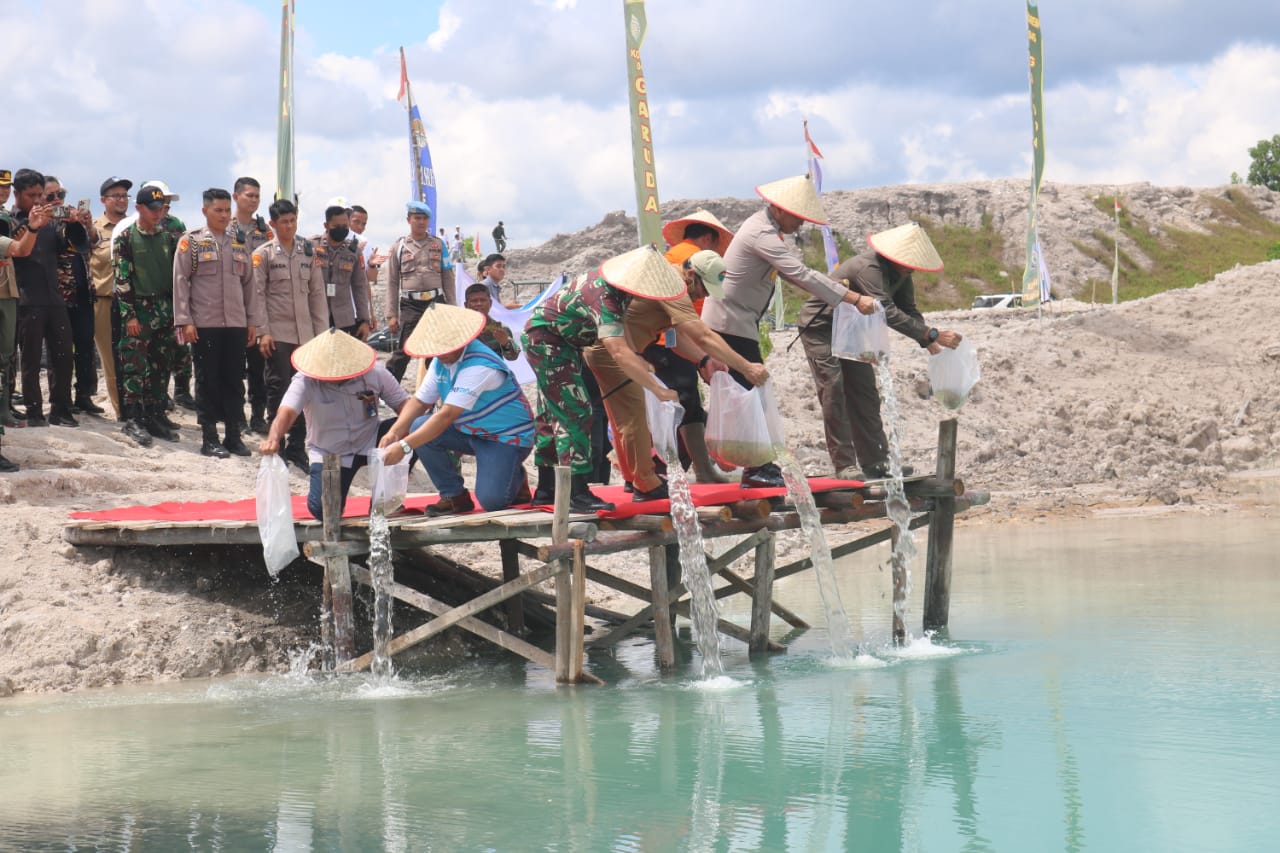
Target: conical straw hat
334,356
443,328
907,246
644,272
673,232
796,196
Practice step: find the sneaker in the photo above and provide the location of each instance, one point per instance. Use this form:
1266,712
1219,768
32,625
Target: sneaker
184,399
65,419
86,405
7,467
657,493
451,506
210,447
234,444
134,429
767,476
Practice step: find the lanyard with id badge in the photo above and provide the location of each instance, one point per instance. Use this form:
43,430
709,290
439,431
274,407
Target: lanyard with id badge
370,400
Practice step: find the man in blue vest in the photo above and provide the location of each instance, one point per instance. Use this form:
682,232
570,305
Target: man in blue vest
480,411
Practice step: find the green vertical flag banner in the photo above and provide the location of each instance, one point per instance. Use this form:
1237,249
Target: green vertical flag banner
648,219
284,129
1035,281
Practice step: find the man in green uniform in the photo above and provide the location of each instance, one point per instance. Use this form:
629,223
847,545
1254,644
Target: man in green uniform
144,293
587,310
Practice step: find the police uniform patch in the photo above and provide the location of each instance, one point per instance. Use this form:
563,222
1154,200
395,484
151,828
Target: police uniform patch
184,244
257,260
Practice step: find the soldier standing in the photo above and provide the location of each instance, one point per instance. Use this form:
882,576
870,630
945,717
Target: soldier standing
251,229
290,289
416,274
144,253
345,284
216,308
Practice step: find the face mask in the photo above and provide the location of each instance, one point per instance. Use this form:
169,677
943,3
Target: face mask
339,234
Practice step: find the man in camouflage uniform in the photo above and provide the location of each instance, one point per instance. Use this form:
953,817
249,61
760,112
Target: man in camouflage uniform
345,284
495,335
290,289
252,230
144,253
417,273
588,310
215,306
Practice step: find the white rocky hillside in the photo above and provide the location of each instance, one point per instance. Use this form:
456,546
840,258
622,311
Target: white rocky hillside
1067,214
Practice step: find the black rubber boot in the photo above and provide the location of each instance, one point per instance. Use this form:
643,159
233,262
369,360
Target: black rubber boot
582,499
545,493
157,427
182,394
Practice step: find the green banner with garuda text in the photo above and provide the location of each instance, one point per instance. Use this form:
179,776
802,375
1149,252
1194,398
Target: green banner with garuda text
649,221
1035,278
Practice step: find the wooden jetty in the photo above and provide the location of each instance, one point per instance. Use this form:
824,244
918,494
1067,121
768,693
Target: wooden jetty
561,543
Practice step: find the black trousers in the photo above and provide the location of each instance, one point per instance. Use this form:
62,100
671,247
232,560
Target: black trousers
219,368
255,368
410,313
748,349
279,373
680,375
38,324
84,348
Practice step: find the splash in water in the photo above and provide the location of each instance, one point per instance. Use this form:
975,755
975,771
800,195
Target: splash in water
838,627
896,505
383,571
693,566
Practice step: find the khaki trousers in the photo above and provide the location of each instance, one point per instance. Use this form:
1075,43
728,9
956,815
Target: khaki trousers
624,402
103,308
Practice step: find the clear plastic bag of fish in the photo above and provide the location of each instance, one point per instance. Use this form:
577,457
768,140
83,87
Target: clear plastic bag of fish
742,432
953,373
664,420
275,514
859,337
390,482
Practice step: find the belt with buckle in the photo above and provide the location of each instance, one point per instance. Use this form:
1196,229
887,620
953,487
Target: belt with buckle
418,295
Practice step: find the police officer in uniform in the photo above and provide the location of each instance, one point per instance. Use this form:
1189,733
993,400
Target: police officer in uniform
342,268
290,288
250,228
215,306
416,274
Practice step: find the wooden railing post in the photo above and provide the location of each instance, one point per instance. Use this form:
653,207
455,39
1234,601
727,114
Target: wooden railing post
564,583
663,632
937,582
762,597
337,572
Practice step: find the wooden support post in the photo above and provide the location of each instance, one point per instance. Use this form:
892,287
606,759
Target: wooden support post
337,572
577,622
511,571
937,581
762,598
564,584
664,633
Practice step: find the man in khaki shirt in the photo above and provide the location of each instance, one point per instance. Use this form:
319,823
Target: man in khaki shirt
251,229
416,274
345,285
290,289
215,307
106,326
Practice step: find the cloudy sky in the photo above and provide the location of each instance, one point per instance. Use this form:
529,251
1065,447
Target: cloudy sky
526,109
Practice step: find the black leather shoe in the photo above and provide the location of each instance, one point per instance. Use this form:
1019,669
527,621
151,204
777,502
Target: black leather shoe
298,456
184,399
89,407
35,419
157,427
545,492
881,471
765,477
235,445
582,499
659,492
258,424
211,447
163,418
137,432
7,467
65,419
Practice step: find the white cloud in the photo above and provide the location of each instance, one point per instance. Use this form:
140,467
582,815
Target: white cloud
448,27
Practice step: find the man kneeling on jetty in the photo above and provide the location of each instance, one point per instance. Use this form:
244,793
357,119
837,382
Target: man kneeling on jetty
338,385
481,411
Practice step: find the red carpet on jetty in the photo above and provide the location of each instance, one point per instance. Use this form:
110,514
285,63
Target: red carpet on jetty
710,494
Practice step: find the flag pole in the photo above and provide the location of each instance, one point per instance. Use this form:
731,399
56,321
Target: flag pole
284,125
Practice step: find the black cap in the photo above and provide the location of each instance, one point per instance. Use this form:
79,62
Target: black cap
115,182
152,198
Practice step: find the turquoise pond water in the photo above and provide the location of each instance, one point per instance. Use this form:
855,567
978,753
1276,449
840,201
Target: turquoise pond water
1107,685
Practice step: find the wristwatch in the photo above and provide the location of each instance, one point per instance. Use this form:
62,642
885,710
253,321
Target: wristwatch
931,337
406,447
703,362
